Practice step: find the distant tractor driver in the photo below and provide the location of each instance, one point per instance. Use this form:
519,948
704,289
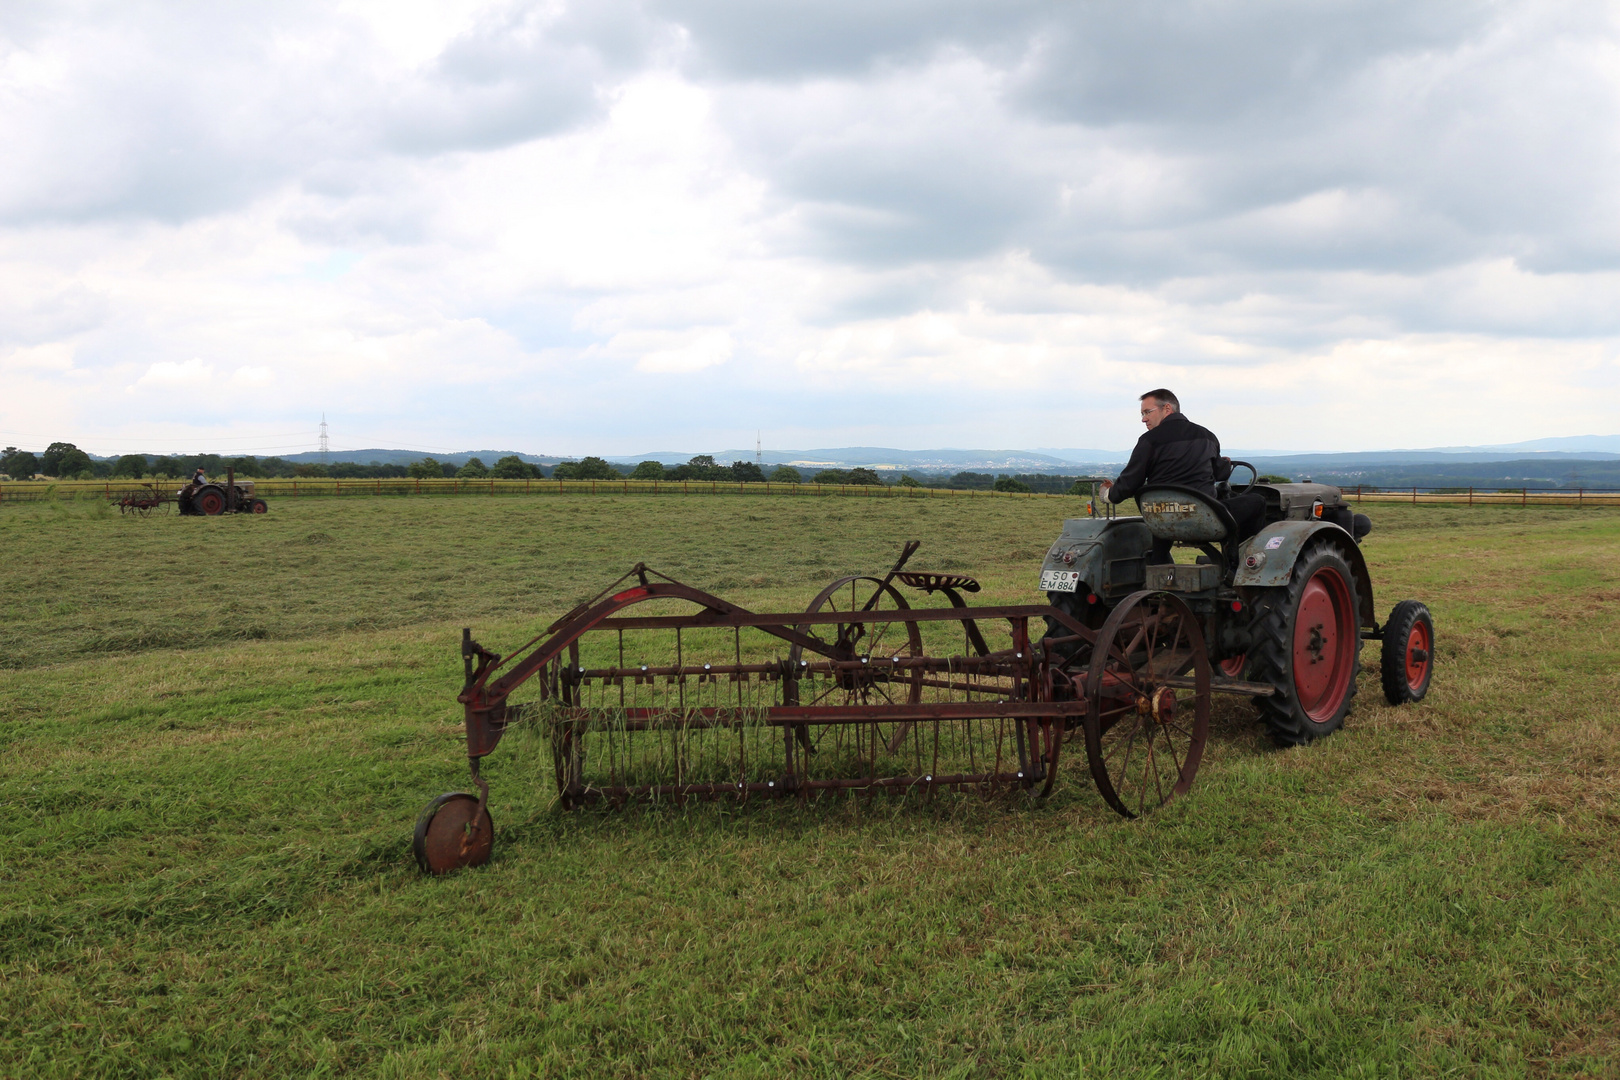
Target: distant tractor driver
1174,450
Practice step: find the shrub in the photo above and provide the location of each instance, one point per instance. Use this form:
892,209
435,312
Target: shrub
648,470
907,481
1007,483
426,469
785,474
473,470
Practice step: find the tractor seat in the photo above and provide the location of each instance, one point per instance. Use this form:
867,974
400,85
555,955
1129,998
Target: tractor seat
1174,512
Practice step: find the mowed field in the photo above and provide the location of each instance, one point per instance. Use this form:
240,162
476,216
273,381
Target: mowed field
216,734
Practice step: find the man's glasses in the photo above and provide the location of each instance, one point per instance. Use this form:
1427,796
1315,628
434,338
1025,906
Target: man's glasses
1150,412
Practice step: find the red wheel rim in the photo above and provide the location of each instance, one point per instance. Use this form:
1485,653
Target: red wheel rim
1324,635
211,502
1417,671
1232,666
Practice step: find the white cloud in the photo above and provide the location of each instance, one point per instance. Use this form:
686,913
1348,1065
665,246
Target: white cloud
708,350
167,373
252,376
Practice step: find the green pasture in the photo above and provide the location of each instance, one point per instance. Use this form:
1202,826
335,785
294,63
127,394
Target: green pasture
216,734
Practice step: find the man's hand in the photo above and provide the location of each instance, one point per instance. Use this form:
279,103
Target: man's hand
1107,486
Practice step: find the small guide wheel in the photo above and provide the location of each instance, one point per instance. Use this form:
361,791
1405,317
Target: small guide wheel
443,840
1408,657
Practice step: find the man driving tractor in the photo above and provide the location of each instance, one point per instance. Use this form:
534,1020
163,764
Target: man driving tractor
1174,450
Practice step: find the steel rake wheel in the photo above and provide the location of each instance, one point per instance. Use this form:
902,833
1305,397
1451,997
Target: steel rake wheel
870,649
453,832
1147,692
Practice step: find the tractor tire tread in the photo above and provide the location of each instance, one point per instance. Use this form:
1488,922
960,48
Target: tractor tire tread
1271,658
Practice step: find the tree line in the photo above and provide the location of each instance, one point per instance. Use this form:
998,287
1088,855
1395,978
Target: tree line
64,461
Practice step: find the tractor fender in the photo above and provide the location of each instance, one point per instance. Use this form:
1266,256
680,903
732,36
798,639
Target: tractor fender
1267,559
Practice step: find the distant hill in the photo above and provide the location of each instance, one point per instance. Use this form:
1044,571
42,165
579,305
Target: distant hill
405,457
888,457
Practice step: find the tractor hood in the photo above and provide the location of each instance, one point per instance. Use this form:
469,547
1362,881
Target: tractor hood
1110,554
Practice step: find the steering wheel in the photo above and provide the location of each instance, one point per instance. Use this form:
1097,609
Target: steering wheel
1254,477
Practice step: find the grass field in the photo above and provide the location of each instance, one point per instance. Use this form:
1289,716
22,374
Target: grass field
215,735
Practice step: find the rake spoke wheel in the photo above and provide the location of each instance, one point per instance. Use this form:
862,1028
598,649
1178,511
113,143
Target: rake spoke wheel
444,841
1145,729
871,645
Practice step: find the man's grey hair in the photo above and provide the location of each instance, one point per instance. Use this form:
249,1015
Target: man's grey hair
1163,397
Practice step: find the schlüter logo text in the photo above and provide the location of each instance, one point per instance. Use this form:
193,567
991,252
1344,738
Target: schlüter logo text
1170,508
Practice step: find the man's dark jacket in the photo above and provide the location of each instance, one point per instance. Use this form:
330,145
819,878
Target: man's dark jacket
1178,451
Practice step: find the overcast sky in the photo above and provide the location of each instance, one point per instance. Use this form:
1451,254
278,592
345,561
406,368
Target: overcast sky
616,227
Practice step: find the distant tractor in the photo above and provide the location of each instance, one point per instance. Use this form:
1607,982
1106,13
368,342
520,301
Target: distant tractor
213,499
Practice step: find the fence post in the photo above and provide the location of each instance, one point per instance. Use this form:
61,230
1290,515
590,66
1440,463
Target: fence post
1414,494
295,487
1524,496
1470,495
1580,498
340,487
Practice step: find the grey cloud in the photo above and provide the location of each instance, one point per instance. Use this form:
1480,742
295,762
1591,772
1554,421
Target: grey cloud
1146,142
187,111
804,39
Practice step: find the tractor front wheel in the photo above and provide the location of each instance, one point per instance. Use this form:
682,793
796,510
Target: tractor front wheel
1408,659
1307,645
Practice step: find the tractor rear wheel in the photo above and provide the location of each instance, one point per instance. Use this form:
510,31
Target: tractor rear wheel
1408,658
210,501
1307,644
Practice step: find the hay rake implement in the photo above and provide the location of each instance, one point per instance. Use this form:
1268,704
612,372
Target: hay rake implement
655,690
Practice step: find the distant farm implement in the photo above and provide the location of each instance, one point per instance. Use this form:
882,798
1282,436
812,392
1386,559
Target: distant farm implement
144,501
213,499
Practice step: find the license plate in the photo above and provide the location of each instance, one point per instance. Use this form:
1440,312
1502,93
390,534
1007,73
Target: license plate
1060,580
